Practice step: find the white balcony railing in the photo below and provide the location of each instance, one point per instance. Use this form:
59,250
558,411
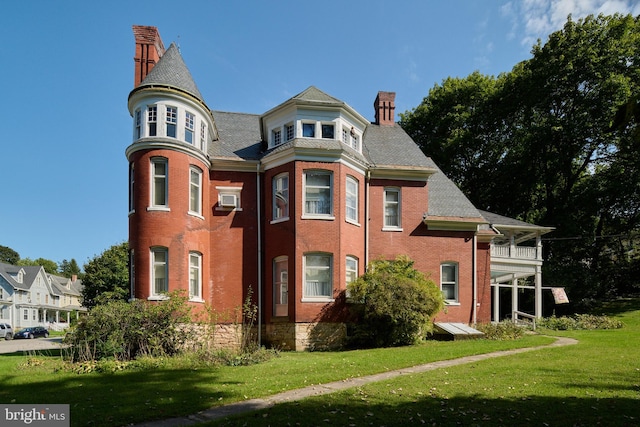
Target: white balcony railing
520,252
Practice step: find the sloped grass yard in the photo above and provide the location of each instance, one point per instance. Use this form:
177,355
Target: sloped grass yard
594,382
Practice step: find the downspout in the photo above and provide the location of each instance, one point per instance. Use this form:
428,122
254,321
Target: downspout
475,279
259,221
366,219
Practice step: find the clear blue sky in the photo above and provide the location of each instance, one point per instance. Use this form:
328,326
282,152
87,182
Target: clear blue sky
66,69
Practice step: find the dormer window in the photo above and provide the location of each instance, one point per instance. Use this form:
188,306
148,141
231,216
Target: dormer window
277,137
171,121
308,130
289,129
327,131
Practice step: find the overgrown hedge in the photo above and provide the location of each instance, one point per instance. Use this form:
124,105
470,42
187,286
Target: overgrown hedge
126,330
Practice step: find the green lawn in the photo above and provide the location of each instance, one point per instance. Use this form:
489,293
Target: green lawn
597,380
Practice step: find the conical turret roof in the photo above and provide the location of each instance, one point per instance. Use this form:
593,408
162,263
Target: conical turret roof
171,71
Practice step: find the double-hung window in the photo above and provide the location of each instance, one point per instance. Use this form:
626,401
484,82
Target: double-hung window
159,271
203,136
195,276
317,193
449,281
352,269
392,208
317,277
195,190
132,179
281,196
189,126
280,286
138,121
159,183
152,120
351,203
171,118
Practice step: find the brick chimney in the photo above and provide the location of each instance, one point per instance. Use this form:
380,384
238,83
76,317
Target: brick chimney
149,50
385,108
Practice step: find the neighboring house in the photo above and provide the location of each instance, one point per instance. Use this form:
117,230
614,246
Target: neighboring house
29,296
292,203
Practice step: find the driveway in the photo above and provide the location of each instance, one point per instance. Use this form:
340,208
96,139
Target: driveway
13,346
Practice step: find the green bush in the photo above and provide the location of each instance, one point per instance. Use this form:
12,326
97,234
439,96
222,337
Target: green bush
505,330
579,321
123,331
393,304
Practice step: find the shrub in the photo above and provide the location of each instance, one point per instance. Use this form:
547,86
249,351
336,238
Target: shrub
126,330
505,330
579,321
393,304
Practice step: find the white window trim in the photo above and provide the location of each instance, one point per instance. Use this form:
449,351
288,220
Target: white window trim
386,227
304,272
224,191
196,298
132,181
273,198
152,206
152,293
305,215
191,212
456,300
357,196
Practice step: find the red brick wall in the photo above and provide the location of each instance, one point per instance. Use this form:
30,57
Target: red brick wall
175,229
429,249
233,242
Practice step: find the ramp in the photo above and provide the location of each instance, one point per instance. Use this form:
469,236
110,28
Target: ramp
455,331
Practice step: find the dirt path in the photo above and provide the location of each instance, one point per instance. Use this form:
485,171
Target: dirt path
320,389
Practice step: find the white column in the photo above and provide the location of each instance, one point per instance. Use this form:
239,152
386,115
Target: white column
514,297
496,302
538,291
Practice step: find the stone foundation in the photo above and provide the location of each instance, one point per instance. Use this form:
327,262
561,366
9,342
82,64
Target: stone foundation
305,336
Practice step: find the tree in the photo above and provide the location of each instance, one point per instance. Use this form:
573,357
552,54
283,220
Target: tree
8,255
394,304
554,142
106,276
49,266
69,268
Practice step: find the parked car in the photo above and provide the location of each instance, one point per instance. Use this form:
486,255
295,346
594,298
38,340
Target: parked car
30,333
6,331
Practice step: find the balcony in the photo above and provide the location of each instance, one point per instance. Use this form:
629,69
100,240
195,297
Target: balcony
515,252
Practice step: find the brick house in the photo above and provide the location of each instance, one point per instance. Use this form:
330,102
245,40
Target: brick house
291,203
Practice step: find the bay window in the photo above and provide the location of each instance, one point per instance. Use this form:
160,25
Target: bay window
317,277
317,193
280,199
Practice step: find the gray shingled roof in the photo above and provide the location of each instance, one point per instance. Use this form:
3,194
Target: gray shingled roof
392,146
447,200
171,71
239,136
313,94
499,220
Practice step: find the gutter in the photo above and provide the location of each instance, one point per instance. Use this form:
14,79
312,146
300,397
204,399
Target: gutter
258,216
